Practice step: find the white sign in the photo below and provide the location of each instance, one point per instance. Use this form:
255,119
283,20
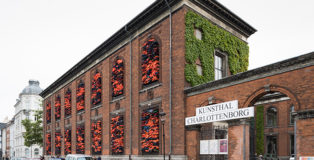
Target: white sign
213,146
204,148
220,116
217,108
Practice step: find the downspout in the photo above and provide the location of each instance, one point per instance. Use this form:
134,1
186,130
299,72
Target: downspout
131,130
170,78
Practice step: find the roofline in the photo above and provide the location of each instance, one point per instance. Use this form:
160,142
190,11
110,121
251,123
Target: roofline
287,65
151,12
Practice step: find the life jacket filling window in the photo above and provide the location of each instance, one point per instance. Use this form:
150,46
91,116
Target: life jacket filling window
67,103
96,137
80,140
48,144
150,61
117,78
48,112
150,131
96,89
58,108
117,135
80,97
57,143
67,141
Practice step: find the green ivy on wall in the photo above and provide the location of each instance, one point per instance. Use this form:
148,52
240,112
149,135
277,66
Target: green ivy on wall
259,130
213,38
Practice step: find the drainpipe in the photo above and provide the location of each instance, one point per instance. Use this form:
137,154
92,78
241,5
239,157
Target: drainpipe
170,78
131,130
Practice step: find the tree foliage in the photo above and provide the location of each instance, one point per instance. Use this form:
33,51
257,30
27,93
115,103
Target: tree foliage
34,130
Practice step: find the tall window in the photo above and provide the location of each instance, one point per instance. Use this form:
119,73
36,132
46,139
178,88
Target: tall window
57,143
80,140
291,116
96,89
271,142
80,97
68,103
117,78
271,117
67,141
150,131
48,144
220,66
58,108
150,61
36,151
96,137
117,135
291,144
48,112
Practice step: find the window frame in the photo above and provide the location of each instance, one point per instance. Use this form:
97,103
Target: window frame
275,123
91,91
124,129
113,62
141,84
224,64
142,109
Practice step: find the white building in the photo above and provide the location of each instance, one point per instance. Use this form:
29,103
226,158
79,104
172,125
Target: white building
29,101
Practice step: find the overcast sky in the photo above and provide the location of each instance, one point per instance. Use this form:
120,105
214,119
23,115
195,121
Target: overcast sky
42,39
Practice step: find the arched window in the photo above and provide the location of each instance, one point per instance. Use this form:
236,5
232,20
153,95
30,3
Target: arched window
291,115
80,97
96,89
36,151
96,137
271,117
117,77
58,108
48,112
67,103
150,61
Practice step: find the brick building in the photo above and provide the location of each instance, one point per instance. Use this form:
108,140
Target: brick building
110,103
284,93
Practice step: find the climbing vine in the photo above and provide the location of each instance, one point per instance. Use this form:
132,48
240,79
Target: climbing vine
213,38
260,130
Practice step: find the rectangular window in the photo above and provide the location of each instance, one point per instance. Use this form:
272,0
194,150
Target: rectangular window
117,135
271,148
150,131
220,66
291,144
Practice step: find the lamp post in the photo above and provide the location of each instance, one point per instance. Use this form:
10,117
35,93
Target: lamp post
163,119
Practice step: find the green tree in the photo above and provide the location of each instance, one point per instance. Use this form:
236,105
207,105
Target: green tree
34,130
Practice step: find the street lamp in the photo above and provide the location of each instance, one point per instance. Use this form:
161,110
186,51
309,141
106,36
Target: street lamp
163,119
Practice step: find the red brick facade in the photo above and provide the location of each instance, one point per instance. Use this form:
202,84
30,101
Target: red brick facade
297,84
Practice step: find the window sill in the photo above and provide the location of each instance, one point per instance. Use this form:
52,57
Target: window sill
95,107
80,112
68,117
146,88
119,98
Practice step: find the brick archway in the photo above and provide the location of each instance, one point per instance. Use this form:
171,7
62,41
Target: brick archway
271,88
